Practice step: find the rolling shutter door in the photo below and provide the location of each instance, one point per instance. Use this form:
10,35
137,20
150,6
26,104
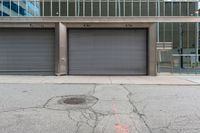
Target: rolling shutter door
27,51
107,51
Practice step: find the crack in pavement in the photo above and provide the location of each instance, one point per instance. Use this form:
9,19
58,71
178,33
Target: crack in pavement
135,110
96,119
77,127
89,116
78,122
19,109
178,120
93,90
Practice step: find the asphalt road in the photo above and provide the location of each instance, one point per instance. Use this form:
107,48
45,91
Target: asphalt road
99,108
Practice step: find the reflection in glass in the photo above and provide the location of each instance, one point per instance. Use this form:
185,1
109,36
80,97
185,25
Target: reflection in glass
99,8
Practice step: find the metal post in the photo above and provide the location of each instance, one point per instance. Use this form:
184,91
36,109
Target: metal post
34,11
140,8
119,7
27,7
43,8
197,39
51,7
99,7
158,24
108,7
158,7
181,43
188,35
92,9
172,4
78,8
132,8
124,8
180,13
75,9
116,8
67,7
163,8
147,7
59,10
18,7
10,8
83,7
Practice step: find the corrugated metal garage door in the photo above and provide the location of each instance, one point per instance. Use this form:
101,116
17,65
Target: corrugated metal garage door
108,51
26,51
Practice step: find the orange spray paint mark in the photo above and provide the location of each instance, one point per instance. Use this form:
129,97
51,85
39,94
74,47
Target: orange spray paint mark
121,128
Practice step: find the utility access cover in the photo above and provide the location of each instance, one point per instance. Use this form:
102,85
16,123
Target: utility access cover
71,102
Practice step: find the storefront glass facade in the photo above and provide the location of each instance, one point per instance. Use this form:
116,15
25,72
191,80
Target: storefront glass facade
184,37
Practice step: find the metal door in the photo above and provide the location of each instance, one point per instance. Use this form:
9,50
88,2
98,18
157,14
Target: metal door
27,51
107,51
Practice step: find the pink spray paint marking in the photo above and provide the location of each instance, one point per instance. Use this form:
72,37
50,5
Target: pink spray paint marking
121,128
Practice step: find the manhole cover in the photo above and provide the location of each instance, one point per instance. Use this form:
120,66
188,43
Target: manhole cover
75,100
72,102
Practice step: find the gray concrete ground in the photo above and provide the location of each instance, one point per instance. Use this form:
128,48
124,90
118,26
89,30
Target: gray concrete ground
175,79
36,108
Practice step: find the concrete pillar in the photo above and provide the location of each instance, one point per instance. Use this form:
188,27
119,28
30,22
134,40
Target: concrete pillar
152,67
61,49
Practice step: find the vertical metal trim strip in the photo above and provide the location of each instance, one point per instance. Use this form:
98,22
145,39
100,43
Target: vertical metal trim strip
92,8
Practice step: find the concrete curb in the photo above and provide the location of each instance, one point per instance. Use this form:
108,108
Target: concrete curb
137,80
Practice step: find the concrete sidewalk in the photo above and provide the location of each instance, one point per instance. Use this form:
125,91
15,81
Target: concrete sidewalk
167,80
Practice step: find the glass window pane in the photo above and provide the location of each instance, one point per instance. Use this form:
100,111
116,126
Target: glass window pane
192,8
128,8
168,8
176,9
184,35
96,9
33,8
144,8
112,8
14,8
71,8
184,10
162,8
88,8
152,8
6,8
104,8
47,8
55,9
22,8
135,8
176,35
121,8
192,35
168,32
41,8
63,8
161,32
